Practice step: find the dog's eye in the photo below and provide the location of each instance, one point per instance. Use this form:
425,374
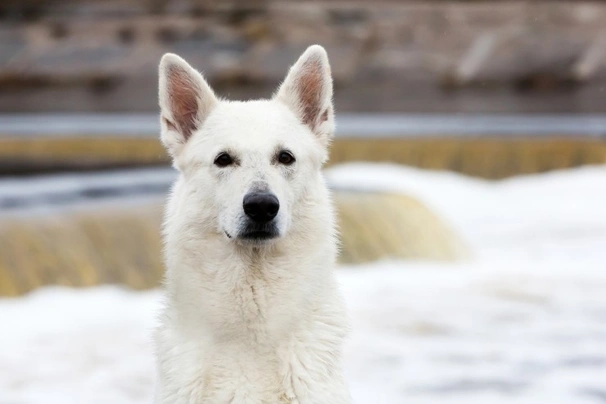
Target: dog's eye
286,158
223,160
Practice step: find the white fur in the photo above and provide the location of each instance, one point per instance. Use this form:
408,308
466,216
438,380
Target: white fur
245,321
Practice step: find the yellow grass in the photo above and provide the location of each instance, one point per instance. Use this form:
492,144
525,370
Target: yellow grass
482,157
375,226
123,245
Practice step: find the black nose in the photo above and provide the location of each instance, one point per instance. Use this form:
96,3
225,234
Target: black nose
261,207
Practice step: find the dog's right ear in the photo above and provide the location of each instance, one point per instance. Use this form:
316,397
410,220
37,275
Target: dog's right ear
185,101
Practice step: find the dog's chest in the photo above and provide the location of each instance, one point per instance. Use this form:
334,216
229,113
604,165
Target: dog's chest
219,370
255,307
234,374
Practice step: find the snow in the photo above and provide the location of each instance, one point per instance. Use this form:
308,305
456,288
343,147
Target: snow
524,321
553,216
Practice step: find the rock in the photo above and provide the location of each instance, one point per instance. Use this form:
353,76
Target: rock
385,56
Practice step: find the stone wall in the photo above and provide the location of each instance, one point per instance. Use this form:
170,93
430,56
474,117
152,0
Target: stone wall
414,56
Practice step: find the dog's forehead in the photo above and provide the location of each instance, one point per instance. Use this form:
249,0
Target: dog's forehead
262,122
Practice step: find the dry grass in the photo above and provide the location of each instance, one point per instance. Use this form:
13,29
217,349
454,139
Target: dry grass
375,226
83,249
493,158
40,154
481,157
124,246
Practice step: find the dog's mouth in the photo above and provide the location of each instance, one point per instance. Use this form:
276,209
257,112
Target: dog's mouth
256,233
259,235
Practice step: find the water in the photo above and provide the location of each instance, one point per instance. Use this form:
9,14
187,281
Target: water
348,125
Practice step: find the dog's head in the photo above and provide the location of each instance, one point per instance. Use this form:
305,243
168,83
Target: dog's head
248,168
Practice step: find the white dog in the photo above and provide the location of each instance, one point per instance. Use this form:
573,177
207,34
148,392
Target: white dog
253,311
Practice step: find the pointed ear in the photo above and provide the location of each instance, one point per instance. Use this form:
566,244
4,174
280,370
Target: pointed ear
307,90
185,101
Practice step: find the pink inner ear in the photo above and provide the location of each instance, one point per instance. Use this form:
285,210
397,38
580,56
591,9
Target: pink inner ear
183,98
310,88
324,116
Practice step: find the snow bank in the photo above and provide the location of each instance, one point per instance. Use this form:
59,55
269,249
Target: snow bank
525,322
553,216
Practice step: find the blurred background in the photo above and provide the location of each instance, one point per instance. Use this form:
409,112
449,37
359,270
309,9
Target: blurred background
468,173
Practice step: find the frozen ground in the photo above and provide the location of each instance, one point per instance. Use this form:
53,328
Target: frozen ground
523,322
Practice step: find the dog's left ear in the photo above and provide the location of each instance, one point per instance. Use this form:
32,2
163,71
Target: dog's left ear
307,90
